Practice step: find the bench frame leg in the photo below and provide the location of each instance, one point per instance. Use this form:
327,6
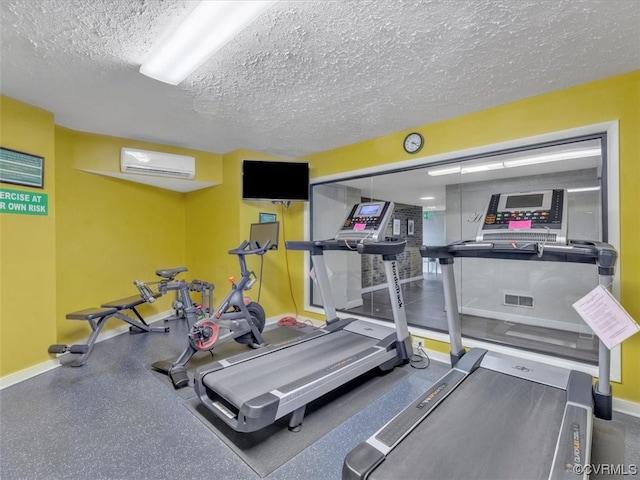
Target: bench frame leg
138,326
96,326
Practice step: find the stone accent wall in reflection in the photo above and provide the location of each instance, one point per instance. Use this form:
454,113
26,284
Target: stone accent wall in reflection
410,261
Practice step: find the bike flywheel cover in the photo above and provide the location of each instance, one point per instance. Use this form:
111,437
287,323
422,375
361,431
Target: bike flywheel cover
205,343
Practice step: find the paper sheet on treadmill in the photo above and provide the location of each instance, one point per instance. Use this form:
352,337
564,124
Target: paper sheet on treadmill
606,317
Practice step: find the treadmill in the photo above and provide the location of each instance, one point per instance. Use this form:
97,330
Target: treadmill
252,390
496,416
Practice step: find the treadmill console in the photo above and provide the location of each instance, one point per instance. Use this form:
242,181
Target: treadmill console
366,222
537,216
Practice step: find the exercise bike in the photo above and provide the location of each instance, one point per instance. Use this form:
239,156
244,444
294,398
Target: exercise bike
236,318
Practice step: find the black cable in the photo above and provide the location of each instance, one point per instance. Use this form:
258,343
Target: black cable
418,359
286,256
260,281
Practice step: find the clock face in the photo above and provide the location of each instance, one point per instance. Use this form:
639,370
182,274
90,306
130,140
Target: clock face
413,142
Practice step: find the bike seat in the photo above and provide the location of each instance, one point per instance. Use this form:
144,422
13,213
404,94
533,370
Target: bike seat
170,273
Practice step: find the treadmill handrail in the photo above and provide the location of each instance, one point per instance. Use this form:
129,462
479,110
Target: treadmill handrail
597,253
389,246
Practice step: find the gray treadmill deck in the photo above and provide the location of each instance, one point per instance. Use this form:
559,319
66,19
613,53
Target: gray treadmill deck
247,380
494,426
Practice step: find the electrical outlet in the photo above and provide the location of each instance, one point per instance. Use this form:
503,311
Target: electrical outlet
417,343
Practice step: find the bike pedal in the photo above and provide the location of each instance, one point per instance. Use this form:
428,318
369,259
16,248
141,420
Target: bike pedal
79,349
57,349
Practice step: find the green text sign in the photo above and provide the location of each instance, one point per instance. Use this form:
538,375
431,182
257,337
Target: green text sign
24,203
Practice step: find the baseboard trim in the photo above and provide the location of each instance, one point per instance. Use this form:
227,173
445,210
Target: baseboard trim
619,405
27,373
382,286
30,372
626,407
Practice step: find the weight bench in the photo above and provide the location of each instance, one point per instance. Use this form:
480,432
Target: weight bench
97,317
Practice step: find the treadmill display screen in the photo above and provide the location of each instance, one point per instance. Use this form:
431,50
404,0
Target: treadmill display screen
366,222
369,210
535,216
525,201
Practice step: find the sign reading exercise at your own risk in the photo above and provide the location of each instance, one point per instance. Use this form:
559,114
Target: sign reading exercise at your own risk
22,202
606,317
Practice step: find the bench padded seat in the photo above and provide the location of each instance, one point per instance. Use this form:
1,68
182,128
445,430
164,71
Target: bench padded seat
91,313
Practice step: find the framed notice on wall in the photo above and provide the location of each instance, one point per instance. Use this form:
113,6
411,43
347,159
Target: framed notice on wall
21,168
396,226
267,217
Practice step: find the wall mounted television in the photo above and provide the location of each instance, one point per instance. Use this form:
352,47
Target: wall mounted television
275,181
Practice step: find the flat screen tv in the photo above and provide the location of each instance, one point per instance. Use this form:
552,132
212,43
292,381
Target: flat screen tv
275,181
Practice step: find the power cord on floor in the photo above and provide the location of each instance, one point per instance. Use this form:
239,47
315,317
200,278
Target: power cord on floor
420,360
294,323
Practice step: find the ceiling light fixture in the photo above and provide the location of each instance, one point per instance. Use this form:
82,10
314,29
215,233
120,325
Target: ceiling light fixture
583,189
553,157
482,167
444,171
207,28
532,160
427,198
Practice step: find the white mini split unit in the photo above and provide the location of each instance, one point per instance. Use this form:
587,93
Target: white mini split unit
144,162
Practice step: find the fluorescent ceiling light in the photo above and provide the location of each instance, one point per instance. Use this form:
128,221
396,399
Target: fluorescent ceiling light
482,167
583,189
553,157
443,171
427,198
207,28
470,169
532,160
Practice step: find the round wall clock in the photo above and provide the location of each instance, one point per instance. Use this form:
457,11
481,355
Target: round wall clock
413,142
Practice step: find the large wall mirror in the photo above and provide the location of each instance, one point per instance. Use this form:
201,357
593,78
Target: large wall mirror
526,305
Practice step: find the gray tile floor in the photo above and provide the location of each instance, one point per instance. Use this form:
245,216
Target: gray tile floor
113,419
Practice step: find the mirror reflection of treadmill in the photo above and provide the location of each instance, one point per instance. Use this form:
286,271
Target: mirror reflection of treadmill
263,232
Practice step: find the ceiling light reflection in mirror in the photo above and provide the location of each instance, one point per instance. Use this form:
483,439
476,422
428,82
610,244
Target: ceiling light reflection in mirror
420,187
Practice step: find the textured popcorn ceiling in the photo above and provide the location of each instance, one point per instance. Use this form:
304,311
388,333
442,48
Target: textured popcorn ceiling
307,76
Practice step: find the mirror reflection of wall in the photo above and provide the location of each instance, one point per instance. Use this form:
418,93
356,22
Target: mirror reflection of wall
446,203
549,288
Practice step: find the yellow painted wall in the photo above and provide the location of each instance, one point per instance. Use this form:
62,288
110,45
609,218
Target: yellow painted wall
218,221
109,231
616,98
27,246
102,232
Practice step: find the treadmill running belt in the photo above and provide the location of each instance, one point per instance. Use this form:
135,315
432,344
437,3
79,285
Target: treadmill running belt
493,426
245,381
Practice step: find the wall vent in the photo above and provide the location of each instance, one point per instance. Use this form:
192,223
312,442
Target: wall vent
518,300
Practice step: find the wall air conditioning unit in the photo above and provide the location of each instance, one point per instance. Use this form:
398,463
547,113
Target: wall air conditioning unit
144,162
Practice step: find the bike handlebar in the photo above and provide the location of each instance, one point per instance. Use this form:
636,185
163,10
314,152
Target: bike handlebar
245,248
